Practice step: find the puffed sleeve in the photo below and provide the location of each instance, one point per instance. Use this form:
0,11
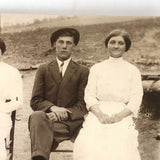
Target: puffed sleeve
136,92
91,88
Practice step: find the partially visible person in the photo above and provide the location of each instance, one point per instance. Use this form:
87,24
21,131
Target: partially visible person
113,96
11,97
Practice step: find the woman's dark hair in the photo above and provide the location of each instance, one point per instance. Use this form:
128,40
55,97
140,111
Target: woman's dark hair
2,46
119,32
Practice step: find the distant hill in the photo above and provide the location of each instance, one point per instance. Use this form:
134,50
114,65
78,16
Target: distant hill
62,21
31,46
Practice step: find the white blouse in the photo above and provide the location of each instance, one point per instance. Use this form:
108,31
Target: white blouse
114,80
11,88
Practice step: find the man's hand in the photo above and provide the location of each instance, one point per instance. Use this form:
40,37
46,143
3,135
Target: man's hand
52,117
60,112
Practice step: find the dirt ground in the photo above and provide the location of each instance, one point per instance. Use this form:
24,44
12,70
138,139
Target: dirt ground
148,129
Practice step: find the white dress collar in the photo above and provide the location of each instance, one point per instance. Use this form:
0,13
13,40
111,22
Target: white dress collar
111,59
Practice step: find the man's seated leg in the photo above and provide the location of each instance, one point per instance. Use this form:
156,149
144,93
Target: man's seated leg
41,134
45,135
61,133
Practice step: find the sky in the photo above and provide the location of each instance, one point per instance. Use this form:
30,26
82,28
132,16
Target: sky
75,7
100,7
51,8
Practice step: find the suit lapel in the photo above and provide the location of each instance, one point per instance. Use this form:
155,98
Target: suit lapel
54,70
68,74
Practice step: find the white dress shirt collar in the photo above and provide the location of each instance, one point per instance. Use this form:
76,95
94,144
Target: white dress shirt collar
66,62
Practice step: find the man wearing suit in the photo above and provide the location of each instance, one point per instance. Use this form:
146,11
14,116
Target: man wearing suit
57,97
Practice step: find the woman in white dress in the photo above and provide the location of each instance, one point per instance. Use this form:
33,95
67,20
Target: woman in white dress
113,96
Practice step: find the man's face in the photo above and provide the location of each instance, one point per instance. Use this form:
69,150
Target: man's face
64,47
116,46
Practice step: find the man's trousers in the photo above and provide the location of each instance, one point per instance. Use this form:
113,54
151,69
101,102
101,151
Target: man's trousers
45,135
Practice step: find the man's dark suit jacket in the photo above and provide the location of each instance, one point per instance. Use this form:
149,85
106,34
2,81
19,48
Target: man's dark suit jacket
50,89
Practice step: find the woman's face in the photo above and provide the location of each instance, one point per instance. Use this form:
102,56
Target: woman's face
116,46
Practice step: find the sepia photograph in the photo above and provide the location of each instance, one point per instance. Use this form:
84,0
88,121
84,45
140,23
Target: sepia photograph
79,87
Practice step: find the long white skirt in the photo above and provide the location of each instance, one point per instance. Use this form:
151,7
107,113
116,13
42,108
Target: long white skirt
5,126
107,141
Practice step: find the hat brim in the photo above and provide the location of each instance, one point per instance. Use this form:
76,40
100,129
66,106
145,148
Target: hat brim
73,32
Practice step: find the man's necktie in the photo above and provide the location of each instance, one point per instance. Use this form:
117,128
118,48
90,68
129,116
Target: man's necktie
61,69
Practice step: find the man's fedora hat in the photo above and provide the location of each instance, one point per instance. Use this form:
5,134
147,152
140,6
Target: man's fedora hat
2,46
65,31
